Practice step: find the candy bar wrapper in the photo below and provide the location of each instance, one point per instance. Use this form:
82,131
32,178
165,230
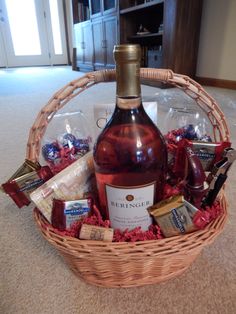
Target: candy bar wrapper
65,213
20,187
208,153
89,232
72,183
174,216
27,167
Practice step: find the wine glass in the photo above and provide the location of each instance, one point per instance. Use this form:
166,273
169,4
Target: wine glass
189,119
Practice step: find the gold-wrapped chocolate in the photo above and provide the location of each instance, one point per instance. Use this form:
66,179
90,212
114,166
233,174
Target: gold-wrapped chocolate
173,215
20,187
27,167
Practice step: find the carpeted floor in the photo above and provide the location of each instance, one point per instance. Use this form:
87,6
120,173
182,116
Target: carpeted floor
34,278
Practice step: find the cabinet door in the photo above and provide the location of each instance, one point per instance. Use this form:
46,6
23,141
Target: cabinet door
109,6
79,43
99,44
88,44
110,26
96,8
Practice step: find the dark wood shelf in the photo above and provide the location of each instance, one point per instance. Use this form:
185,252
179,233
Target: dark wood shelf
141,6
145,36
178,42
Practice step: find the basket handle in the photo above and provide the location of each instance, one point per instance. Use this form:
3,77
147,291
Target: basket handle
71,90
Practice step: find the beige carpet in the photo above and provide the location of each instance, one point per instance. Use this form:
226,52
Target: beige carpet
34,278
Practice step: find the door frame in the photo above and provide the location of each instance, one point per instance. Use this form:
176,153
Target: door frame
3,59
48,56
56,58
26,60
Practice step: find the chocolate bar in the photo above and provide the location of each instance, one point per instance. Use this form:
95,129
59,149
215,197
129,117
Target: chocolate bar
27,167
20,187
208,153
65,213
174,216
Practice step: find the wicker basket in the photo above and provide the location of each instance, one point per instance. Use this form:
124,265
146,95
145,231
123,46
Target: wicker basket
140,263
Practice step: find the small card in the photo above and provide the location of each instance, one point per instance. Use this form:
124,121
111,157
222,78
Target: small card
103,112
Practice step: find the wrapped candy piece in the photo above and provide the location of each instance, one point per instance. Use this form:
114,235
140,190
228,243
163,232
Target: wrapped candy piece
65,213
25,168
208,153
66,140
20,187
81,145
51,152
205,138
189,132
173,216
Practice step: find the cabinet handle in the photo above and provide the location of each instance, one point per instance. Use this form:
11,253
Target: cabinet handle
82,45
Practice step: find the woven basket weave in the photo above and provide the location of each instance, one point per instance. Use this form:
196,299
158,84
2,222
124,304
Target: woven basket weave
140,263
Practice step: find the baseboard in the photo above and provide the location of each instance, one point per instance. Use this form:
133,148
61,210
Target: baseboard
216,82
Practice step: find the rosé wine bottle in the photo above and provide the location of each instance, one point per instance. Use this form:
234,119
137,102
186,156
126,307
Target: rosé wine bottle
130,154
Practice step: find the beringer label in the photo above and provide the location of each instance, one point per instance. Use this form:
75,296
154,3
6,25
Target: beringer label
127,206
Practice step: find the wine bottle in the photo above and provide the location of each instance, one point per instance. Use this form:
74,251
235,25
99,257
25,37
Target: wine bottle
130,154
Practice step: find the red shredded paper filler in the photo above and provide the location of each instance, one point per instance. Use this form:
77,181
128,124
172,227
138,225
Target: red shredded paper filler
201,219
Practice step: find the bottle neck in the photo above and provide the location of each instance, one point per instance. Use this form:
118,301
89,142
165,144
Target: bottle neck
128,102
128,80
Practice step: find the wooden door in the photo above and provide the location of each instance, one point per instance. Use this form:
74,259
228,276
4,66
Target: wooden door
110,27
99,44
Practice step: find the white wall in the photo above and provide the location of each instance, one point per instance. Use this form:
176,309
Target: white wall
217,47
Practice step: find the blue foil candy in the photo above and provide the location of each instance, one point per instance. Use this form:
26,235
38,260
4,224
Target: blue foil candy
190,132
67,140
51,152
81,145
